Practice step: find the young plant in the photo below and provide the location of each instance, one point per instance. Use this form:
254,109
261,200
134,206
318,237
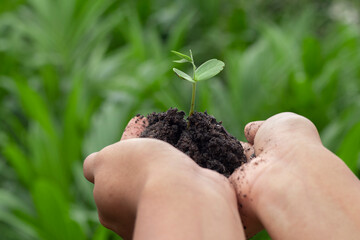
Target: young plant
206,71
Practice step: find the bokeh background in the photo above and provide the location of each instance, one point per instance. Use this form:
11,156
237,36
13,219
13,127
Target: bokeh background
73,72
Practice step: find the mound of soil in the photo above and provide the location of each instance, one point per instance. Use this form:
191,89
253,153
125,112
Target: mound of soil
202,138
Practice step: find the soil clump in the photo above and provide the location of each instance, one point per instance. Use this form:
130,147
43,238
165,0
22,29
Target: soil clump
201,137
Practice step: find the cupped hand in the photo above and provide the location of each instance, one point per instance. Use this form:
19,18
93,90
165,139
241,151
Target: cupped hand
134,169
275,142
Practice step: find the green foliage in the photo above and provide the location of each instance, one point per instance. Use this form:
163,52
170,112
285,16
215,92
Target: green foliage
184,58
183,75
73,72
206,70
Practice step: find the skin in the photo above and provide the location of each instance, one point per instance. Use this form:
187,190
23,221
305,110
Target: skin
168,193
294,187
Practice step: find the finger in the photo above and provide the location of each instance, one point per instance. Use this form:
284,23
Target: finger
300,127
135,127
248,150
88,167
251,129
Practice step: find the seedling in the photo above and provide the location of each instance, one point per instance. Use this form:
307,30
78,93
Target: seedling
206,71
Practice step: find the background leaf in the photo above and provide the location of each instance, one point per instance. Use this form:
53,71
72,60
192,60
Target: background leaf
49,203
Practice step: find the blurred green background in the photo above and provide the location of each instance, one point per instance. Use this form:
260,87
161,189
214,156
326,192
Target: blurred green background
73,72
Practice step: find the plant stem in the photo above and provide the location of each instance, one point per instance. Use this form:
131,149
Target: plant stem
192,99
192,107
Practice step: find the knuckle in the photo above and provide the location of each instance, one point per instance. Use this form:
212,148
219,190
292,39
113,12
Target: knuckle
294,119
292,122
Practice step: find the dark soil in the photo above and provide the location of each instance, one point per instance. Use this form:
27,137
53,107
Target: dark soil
205,140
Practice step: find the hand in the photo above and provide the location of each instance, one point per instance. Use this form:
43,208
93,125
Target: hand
147,189
295,187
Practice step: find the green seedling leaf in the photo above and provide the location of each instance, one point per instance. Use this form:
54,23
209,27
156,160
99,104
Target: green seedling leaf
205,71
191,56
183,75
181,61
183,56
209,69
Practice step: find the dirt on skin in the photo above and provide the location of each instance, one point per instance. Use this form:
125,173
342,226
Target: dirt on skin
205,140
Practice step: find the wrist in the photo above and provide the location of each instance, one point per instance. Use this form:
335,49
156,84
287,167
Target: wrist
184,204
